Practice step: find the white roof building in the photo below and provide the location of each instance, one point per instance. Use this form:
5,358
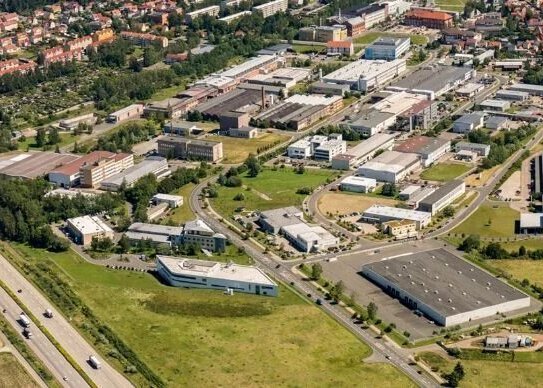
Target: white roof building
390,166
379,213
358,184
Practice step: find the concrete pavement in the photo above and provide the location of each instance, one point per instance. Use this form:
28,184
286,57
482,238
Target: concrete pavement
72,342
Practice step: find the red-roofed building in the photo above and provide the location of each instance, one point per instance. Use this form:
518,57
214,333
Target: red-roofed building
340,47
428,18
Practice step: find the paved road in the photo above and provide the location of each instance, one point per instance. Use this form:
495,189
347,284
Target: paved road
61,329
272,264
40,344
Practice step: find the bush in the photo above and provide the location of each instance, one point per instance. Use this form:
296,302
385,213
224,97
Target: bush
233,181
239,197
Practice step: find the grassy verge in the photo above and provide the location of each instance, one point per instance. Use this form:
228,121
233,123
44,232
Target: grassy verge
12,374
203,338
444,172
183,213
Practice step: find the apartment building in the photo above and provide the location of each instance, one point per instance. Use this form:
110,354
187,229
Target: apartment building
91,174
193,149
212,11
373,14
144,39
272,7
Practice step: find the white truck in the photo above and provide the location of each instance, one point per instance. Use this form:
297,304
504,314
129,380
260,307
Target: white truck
93,361
48,313
23,319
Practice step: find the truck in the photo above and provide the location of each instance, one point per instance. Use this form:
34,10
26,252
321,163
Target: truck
27,333
48,313
23,319
93,361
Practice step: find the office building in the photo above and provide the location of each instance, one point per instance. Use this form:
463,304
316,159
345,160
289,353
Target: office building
190,149
84,229
358,184
373,14
317,146
155,165
390,166
333,33
191,273
400,229
445,288
387,48
172,201
380,214
365,75
154,234
443,197
197,232
91,174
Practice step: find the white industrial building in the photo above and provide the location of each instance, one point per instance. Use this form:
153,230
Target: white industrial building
155,165
380,214
443,197
445,288
191,273
317,146
358,184
363,151
430,149
390,166
367,75
173,201
84,229
495,105
480,149
533,90
468,122
130,112
387,48
372,122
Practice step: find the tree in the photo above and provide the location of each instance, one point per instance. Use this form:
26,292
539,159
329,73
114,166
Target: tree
448,211
239,197
253,166
522,251
233,181
53,137
337,291
389,190
124,244
316,271
495,251
372,311
453,378
40,137
470,243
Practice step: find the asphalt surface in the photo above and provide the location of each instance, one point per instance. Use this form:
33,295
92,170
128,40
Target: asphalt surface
53,360
70,340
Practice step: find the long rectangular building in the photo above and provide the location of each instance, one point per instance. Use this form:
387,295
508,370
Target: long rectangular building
390,166
443,197
380,214
192,149
184,272
445,288
155,165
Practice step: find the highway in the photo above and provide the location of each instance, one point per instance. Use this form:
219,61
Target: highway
53,360
273,264
70,340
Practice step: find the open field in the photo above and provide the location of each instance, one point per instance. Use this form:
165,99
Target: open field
66,138
451,5
489,373
270,190
183,213
444,171
345,203
369,37
476,180
12,374
204,338
521,269
163,94
490,220
530,244
236,150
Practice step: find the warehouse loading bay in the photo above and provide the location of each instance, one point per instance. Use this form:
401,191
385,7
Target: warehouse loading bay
348,269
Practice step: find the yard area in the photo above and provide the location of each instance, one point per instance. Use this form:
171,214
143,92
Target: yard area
269,190
165,93
521,269
12,374
204,338
236,150
490,220
183,213
337,203
66,138
489,373
451,5
444,172
369,37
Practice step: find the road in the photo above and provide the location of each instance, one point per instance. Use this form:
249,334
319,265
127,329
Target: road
273,264
53,360
70,340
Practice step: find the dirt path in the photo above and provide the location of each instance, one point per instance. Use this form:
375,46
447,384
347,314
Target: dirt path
261,195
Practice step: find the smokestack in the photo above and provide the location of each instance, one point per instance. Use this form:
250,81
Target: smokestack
263,99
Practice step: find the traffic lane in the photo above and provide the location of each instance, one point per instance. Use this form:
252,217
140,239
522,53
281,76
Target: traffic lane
40,344
60,328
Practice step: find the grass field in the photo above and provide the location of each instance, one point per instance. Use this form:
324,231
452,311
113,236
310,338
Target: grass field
165,93
65,139
451,5
204,338
270,190
308,48
345,203
521,269
530,244
12,374
183,213
369,37
444,171
489,373
490,220
236,150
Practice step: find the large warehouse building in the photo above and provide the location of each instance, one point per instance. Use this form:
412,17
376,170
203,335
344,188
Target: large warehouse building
218,276
445,288
390,166
366,75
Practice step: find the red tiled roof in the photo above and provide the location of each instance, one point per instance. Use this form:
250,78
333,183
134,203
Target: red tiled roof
425,14
73,167
339,43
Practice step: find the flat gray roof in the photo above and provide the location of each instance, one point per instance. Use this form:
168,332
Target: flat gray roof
446,283
433,79
371,119
441,192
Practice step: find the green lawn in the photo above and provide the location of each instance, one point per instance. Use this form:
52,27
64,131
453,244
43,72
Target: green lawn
183,213
204,338
444,171
163,94
308,48
367,38
451,5
270,190
489,373
66,138
521,269
490,220
236,150
530,244
12,374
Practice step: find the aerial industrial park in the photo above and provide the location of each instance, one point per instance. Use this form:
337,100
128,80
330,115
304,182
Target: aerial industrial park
348,190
